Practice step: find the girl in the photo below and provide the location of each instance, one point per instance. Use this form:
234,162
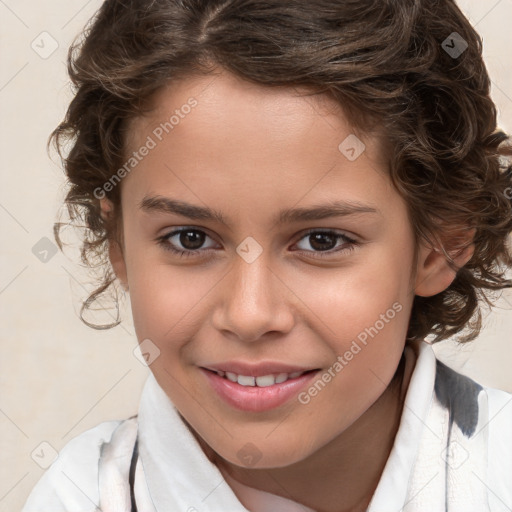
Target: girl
297,197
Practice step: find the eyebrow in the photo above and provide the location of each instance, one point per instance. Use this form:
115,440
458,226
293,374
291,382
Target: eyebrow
160,204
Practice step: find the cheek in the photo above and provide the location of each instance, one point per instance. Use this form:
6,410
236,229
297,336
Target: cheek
164,297
363,315
166,300
348,301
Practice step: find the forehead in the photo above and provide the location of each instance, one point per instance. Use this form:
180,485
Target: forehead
216,135
223,100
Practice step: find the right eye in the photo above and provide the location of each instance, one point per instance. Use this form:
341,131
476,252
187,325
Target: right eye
191,239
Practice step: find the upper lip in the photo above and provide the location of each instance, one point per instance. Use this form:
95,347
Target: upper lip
256,369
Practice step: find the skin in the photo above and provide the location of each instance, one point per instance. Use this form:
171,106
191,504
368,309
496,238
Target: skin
249,152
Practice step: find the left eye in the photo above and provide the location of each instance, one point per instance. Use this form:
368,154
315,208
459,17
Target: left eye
327,241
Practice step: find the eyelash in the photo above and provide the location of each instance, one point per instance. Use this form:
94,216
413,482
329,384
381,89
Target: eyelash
163,241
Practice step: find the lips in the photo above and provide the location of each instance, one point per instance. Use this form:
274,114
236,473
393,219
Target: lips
257,388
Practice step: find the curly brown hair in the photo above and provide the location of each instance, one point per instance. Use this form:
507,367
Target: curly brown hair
412,67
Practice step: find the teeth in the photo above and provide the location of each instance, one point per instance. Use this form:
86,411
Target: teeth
265,380
262,381
231,376
282,377
246,381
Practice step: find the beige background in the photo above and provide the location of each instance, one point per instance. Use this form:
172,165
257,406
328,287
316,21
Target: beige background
58,377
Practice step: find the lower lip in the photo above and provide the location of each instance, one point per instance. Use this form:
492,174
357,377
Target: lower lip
254,398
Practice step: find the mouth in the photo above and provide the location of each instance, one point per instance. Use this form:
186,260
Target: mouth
260,393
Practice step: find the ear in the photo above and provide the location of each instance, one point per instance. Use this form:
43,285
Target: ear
433,272
115,251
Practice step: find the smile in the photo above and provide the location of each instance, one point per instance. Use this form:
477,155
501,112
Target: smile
257,393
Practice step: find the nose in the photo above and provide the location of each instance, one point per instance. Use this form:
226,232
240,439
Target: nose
253,302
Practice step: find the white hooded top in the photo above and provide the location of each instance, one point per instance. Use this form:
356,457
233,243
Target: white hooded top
452,453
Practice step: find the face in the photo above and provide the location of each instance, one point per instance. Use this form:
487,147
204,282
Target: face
259,243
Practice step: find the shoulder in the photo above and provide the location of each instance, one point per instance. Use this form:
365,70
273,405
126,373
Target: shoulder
70,484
